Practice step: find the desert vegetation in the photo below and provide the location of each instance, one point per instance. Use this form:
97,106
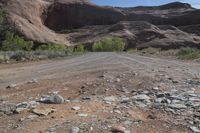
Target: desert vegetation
182,53
109,44
14,47
188,53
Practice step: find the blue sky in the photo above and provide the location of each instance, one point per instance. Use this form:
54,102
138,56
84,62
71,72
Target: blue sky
132,3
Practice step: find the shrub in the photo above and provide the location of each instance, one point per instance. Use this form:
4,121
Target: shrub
109,44
13,42
80,49
69,50
52,47
188,53
2,16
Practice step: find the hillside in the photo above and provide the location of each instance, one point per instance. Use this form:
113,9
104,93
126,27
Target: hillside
71,22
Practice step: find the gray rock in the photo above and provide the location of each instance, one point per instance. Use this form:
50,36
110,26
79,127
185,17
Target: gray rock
128,122
194,99
22,105
125,100
162,100
127,131
110,99
86,98
195,129
141,97
25,105
140,104
75,130
55,99
117,111
8,108
177,106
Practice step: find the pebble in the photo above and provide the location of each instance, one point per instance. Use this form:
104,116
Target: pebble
75,130
195,129
177,106
32,81
141,97
118,80
117,111
83,115
110,99
76,108
155,88
118,128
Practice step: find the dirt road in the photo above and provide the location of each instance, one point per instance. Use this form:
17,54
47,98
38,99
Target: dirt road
136,92
98,62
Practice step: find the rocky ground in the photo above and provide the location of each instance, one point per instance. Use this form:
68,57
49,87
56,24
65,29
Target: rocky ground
100,93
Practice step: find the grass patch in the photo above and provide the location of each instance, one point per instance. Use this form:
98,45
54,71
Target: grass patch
109,44
188,53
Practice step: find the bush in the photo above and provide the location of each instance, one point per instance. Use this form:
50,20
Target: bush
79,49
2,16
188,53
109,44
52,47
13,42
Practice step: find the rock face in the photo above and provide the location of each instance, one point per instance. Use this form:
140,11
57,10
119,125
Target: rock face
75,15
166,26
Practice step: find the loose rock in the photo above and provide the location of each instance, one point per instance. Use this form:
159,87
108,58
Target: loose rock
141,97
55,99
195,129
43,112
83,115
11,86
118,129
76,108
75,130
177,106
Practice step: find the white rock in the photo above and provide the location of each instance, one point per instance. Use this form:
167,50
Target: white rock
76,108
83,115
195,129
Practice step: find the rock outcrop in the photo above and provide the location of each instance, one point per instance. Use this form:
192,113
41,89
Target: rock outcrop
79,21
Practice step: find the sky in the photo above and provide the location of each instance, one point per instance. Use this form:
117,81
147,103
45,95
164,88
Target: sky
133,3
